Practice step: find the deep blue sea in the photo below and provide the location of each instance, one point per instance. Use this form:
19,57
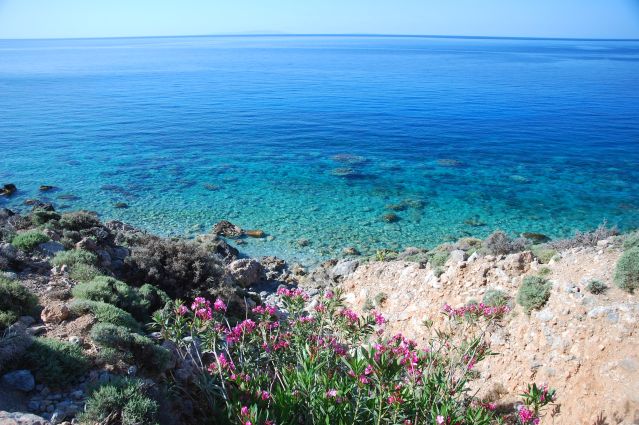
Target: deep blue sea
318,137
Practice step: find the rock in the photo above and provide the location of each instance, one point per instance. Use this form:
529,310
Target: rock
88,244
245,272
350,250
9,275
545,315
343,171
8,251
120,205
51,248
76,340
8,189
19,418
54,313
52,234
457,256
21,380
390,218
222,248
343,268
227,229
273,268
255,233
46,188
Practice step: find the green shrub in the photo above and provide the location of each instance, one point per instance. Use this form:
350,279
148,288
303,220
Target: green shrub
631,241
74,257
499,243
29,240
496,298
55,363
40,217
77,221
105,313
143,349
596,287
84,272
533,293
141,303
127,398
15,301
627,270
438,258
543,254
544,272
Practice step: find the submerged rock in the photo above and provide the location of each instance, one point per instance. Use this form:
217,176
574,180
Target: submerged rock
346,158
343,172
390,218
46,188
350,250
227,229
121,205
535,237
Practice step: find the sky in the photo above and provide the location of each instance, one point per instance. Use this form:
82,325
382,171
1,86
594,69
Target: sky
512,18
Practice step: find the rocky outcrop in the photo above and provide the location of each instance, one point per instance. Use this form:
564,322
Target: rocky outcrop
227,229
245,272
584,345
18,418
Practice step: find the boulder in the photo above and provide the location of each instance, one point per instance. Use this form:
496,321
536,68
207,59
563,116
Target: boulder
255,233
88,244
46,188
54,313
227,229
8,189
457,256
245,272
343,268
8,251
21,380
273,268
350,250
50,247
390,218
19,418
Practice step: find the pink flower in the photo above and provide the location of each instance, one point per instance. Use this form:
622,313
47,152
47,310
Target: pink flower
395,399
379,319
219,305
265,395
329,295
526,415
440,419
244,411
331,393
182,310
350,315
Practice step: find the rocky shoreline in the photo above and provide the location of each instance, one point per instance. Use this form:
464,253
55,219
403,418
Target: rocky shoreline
41,251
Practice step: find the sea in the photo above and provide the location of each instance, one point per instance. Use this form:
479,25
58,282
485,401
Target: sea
326,142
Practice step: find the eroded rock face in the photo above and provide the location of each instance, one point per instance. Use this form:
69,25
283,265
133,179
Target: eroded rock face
245,272
583,345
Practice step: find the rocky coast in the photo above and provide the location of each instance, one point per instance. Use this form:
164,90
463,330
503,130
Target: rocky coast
582,339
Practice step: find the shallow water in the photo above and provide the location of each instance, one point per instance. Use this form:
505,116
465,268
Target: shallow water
318,137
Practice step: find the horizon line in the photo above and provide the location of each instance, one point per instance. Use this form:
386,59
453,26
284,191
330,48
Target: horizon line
275,34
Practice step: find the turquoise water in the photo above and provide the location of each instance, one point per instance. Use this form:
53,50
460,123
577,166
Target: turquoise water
316,137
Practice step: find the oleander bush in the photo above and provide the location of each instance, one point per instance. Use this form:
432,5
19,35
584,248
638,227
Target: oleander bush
105,313
74,257
499,243
79,220
533,293
126,401
55,363
180,268
140,302
333,366
596,287
15,301
627,270
29,240
132,346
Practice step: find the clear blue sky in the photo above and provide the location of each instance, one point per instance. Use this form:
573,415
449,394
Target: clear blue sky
109,18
